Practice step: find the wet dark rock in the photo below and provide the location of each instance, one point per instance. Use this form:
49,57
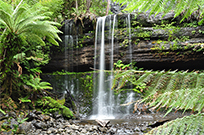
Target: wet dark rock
38,112
61,126
24,128
31,116
12,114
103,129
13,123
45,117
103,123
142,53
51,130
158,123
2,116
60,120
40,125
57,116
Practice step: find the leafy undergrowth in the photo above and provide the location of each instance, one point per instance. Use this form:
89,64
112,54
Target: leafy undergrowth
49,105
188,125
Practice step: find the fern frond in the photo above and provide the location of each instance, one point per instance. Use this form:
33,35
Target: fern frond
200,80
162,81
5,18
188,125
189,80
145,78
182,99
172,83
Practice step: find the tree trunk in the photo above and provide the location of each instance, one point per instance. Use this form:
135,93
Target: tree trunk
88,5
107,9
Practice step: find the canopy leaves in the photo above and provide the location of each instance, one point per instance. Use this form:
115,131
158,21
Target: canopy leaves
185,7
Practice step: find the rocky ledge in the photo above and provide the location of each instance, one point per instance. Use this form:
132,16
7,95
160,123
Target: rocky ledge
154,43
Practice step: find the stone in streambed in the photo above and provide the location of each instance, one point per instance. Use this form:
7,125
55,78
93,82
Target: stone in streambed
24,128
40,125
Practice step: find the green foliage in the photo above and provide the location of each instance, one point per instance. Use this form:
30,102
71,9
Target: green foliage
170,90
185,7
2,111
166,89
49,105
188,125
56,7
121,66
22,46
67,113
35,83
24,100
78,9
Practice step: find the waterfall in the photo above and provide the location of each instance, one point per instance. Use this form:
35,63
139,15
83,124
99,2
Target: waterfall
130,96
101,103
111,98
68,49
103,106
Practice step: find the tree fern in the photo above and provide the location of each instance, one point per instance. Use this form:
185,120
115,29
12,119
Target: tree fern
26,29
29,21
188,125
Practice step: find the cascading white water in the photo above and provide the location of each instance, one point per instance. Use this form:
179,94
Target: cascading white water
68,46
130,97
104,104
101,103
111,98
103,108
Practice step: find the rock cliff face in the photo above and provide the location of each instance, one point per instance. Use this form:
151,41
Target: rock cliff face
156,43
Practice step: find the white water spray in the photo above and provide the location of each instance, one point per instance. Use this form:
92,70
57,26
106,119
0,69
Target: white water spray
130,97
68,46
103,108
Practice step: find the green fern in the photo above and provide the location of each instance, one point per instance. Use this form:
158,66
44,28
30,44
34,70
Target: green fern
35,83
185,7
173,90
188,125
